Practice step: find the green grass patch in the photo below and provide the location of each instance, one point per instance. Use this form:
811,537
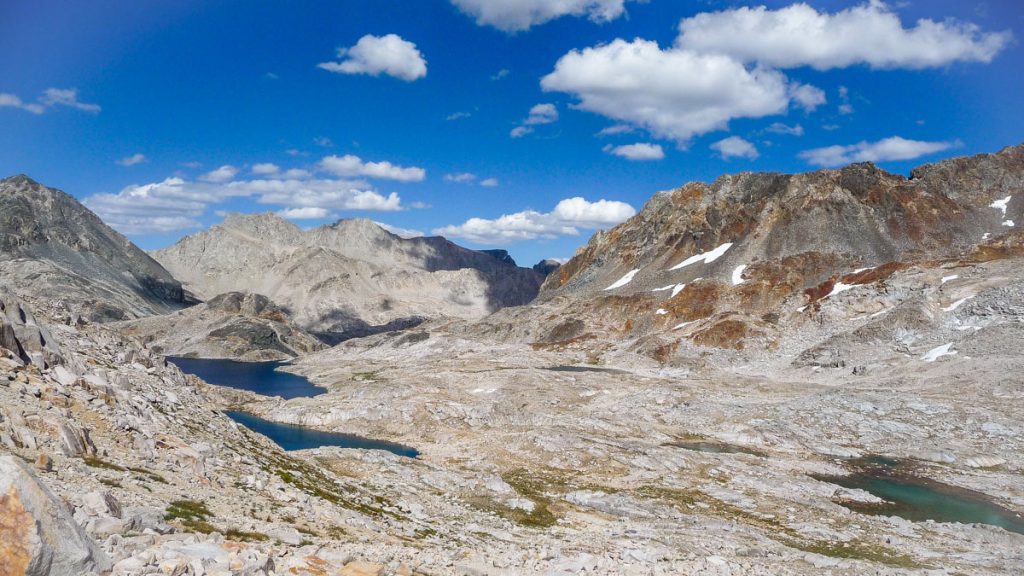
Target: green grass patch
187,510
241,536
94,462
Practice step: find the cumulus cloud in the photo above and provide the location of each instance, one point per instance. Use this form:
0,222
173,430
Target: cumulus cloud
517,15
780,128
735,147
638,151
539,114
307,213
265,169
49,98
870,33
132,160
376,55
177,203
222,174
888,149
567,218
350,166
672,93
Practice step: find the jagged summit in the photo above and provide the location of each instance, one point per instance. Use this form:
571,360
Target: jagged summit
350,276
52,245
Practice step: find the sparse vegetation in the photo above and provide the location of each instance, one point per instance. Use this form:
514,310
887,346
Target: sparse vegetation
95,462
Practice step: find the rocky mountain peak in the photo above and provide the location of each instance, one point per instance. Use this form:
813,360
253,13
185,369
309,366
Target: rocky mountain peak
53,245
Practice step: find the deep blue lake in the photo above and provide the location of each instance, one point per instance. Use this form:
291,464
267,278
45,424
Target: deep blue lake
263,378
292,437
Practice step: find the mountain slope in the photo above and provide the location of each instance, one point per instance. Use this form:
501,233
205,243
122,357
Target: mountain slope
748,258
52,246
350,278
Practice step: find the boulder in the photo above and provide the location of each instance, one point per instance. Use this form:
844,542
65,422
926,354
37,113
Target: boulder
38,536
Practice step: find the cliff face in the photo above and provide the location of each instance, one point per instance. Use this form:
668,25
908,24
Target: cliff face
52,246
807,227
728,263
350,278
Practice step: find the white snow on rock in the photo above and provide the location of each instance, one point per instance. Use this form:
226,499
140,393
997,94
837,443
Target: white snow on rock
1001,204
859,270
661,312
684,324
838,288
949,278
737,275
985,236
705,257
956,304
678,288
664,288
624,280
936,353
1008,223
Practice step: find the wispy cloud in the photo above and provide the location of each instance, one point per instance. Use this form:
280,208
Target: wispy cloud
67,97
132,160
885,150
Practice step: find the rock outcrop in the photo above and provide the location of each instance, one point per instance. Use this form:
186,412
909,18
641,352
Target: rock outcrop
347,279
727,260
20,333
38,536
52,246
234,325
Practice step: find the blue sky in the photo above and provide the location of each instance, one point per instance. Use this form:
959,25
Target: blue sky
443,116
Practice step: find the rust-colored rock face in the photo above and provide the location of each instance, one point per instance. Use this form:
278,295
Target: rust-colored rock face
16,527
780,238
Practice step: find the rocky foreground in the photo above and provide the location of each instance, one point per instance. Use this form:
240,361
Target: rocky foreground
683,398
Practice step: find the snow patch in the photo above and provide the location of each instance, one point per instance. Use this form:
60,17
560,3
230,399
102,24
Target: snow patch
936,353
1008,223
1001,204
737,275
839,288
663,288
624,280
678,288
661,312
949,278
956,304
985,236
684,324
705,257
859,270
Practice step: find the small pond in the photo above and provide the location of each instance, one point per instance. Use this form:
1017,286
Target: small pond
263,378
292,437
917,498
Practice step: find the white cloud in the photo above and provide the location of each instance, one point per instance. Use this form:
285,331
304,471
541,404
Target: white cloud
888,149
306,213
501,74
376,55
462,178
265,169
870,33
132,160
638,151
489,182
616,129
398,231
296,174
806,96
735,147
780,128
177,204
350,166
323,141
540,114
458,116
517,15
49,98
672,93
567,218
222,174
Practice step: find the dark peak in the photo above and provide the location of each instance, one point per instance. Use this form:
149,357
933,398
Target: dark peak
501,255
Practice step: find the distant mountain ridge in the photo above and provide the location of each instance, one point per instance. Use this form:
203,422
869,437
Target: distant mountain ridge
349,278
52,246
